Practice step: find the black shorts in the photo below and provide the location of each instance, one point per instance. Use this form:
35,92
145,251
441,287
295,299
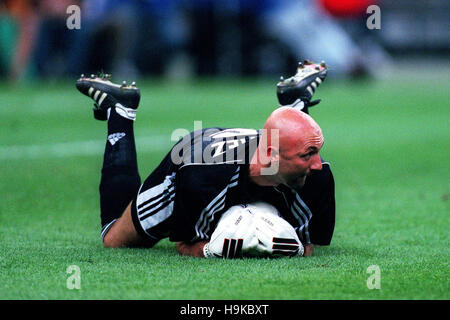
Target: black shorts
152,207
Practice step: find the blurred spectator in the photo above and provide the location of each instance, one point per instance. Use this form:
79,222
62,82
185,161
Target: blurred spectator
311,32
107,39
179,37
256,36
128,37
54,39
225,36
163,38
351,15
38,38
18,25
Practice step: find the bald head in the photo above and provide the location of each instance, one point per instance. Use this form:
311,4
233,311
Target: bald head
288,150
294,126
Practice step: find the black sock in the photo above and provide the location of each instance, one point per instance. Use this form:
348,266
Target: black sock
120,179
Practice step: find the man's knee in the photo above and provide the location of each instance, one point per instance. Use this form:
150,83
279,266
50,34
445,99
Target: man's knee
122,233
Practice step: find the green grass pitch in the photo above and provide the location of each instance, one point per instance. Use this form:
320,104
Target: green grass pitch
388,144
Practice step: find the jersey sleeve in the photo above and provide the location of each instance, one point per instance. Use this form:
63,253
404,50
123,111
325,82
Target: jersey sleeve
324,208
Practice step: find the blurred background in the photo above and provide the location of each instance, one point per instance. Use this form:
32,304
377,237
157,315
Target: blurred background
181,39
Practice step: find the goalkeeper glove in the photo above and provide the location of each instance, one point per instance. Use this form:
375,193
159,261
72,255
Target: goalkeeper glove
276,236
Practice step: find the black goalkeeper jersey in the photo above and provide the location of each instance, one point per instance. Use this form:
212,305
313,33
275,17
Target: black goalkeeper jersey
207,172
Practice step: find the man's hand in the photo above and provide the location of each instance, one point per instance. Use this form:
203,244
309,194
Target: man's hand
309,250
280,246
233,236
275,238
275,235
194,249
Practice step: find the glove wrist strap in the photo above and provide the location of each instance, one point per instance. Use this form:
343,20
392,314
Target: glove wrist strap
301,250
206,252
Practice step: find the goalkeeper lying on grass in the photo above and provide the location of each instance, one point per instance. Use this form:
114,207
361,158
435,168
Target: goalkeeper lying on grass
212,170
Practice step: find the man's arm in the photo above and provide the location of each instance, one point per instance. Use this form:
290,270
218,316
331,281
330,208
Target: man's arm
191,249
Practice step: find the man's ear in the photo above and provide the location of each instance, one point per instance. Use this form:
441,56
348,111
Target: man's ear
273,154
272,161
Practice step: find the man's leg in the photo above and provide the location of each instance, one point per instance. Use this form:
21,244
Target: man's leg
119,182
120,179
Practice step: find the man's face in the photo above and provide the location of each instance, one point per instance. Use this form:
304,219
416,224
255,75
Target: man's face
298,159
